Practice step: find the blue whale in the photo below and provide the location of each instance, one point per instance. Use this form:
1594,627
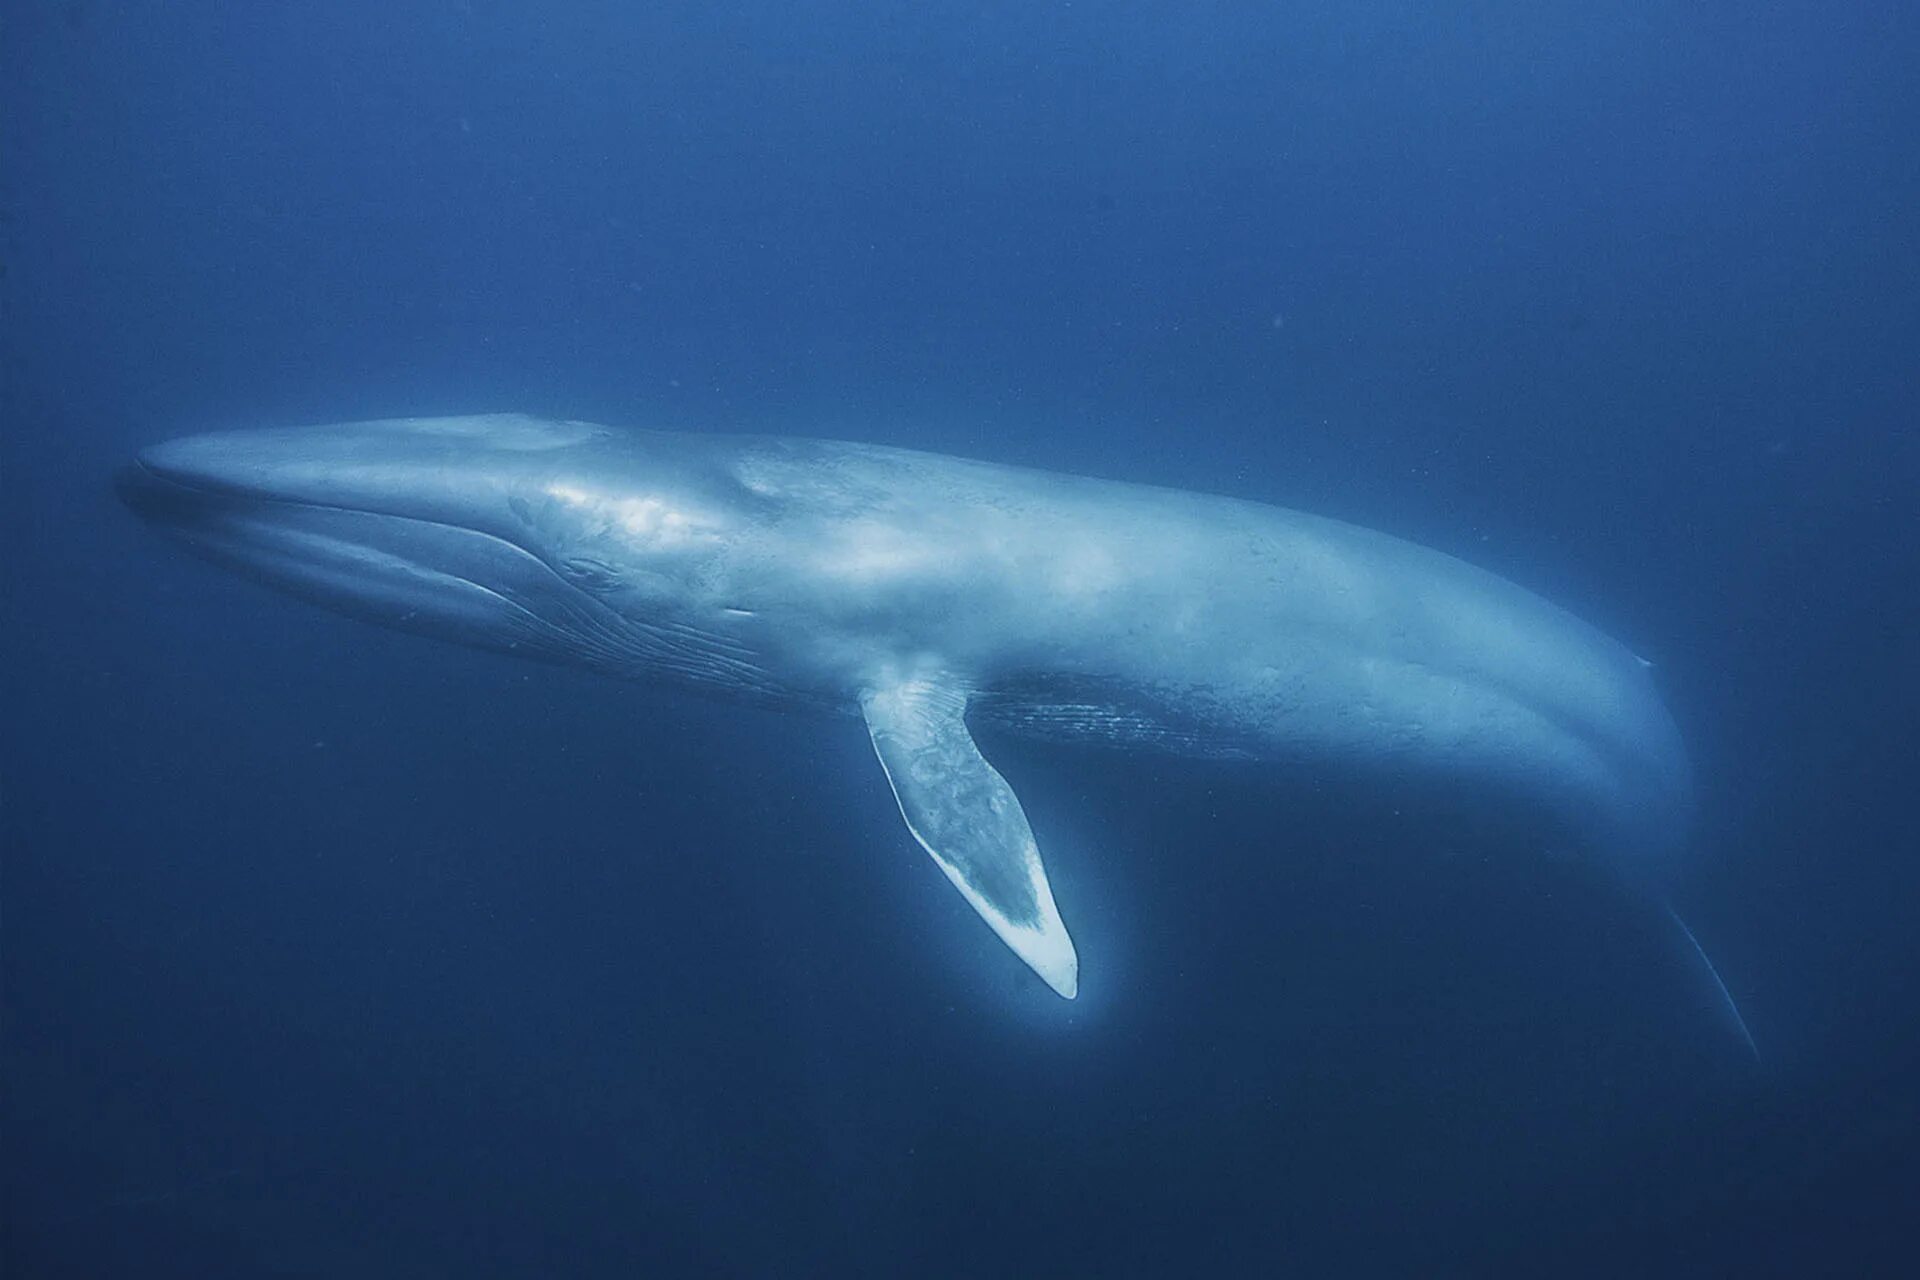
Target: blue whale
926,594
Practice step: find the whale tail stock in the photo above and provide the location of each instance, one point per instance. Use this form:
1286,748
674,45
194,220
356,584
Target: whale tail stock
1730,1012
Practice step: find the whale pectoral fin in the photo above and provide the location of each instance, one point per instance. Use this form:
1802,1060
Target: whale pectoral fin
963,813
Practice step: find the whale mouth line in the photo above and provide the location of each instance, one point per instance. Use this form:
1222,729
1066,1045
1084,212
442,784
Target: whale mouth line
141,479
156,493
177,503
255,528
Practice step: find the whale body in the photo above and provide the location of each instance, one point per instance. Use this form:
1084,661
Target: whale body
925,593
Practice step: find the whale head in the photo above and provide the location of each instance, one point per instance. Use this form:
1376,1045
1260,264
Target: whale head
561,540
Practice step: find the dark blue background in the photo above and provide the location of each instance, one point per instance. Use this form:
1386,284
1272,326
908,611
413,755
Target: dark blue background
330,952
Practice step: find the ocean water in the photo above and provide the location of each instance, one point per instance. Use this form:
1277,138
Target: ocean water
327,951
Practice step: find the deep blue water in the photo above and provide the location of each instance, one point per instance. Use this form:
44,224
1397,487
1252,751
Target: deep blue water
334,952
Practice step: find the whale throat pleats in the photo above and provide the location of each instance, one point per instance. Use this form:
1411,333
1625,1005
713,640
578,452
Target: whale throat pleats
963,813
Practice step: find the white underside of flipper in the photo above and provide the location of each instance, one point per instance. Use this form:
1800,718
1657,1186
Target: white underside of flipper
1045,946
965,815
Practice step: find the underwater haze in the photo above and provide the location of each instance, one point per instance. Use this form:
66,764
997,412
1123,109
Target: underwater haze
328,950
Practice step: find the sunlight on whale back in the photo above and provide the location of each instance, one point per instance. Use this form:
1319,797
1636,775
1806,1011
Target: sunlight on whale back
642,523
513,432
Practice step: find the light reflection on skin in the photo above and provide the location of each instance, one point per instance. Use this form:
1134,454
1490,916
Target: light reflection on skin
647,523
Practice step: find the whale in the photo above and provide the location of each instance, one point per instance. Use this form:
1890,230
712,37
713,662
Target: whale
931,596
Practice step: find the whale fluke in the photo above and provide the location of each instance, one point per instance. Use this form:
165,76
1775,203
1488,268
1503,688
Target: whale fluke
963,813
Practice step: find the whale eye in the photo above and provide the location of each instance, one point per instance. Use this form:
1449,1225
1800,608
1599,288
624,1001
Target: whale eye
590,573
